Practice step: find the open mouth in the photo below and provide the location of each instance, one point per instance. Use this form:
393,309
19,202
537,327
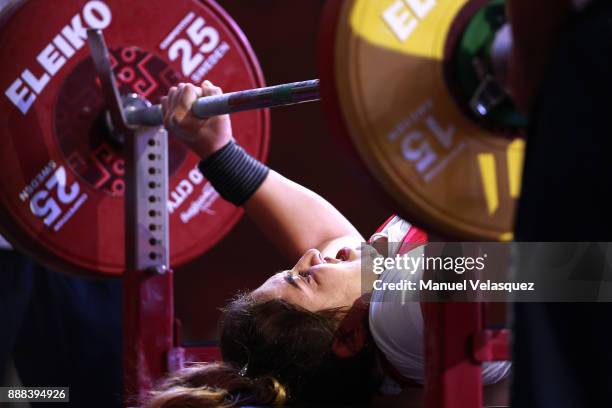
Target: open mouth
347,254
343,254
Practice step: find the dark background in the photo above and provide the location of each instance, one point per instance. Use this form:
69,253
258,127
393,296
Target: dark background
284,35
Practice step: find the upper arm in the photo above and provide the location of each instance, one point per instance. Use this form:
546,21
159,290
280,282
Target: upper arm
297,219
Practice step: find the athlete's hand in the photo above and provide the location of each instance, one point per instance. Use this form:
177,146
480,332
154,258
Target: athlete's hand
203,136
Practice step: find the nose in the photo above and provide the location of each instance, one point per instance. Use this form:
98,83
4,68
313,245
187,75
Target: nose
310,258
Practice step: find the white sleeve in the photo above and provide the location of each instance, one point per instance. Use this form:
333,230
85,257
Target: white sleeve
396,324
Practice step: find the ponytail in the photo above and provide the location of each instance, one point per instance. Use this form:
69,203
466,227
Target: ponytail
216,385
274,353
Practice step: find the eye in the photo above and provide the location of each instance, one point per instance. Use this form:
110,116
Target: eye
290,278
307,276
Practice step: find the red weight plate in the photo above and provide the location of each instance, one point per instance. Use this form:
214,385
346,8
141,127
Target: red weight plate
61,187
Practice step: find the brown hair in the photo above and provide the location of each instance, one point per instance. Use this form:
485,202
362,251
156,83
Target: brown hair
273,353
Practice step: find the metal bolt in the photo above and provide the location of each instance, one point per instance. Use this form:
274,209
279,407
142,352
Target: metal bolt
158,270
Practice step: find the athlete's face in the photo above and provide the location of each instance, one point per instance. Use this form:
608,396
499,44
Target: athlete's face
316,283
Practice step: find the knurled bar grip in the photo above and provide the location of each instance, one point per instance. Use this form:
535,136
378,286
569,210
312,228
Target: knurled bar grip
269,97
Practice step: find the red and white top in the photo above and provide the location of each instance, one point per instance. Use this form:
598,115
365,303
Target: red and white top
396,321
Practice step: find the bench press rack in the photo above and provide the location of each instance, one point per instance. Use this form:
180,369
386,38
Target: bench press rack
151,335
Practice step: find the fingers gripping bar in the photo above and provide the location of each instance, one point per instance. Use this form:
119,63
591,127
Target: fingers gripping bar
269,97
135,116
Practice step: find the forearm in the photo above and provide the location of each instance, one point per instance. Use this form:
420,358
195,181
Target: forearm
297,219
536,26
293,217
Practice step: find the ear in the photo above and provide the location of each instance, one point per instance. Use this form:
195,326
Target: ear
349,343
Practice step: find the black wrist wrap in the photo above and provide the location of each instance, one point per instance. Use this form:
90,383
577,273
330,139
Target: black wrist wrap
234,173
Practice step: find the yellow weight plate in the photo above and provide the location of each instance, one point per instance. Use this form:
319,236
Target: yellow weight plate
441,166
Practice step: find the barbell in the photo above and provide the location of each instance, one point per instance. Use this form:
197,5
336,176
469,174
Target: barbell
406,84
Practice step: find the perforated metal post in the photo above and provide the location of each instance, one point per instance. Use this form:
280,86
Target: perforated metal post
148,307
148,286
